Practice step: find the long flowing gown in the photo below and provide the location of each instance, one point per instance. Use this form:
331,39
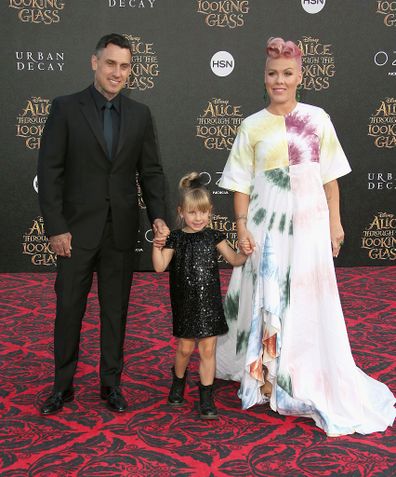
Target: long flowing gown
282,307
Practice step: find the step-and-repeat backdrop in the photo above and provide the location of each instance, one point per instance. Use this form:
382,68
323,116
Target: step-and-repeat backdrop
198,64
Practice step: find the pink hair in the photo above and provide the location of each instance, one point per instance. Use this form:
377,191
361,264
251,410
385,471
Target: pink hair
279,48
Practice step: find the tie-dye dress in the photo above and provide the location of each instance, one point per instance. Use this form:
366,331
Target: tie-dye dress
283,307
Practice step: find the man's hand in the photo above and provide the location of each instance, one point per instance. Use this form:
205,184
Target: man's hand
161,232
61,244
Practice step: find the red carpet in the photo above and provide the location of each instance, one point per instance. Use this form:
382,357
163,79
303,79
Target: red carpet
152,439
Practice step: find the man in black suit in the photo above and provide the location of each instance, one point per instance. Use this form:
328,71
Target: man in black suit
93,144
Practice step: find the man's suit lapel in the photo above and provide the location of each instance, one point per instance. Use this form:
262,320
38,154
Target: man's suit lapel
89,111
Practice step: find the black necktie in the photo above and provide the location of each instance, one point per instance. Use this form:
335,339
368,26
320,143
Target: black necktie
108,127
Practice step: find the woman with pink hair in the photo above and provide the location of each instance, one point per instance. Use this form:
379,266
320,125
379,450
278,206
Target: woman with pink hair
288,343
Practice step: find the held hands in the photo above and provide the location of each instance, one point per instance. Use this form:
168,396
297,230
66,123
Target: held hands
246,242
337,238
61,244
161,232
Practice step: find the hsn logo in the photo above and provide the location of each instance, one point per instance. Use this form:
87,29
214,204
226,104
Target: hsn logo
313,6
222,63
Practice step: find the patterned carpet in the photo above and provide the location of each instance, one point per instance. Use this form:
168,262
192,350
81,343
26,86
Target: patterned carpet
87,440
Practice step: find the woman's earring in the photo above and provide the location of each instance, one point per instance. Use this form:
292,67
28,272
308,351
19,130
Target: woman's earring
298,93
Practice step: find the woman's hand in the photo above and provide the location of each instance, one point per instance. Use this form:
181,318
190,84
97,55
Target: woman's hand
337,237
246,242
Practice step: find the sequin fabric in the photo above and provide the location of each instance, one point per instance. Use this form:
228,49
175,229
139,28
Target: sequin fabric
195,284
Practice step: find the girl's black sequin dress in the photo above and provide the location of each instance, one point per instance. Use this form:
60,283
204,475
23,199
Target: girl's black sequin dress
195,284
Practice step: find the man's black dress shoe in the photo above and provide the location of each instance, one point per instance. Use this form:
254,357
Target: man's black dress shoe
114,398
56,400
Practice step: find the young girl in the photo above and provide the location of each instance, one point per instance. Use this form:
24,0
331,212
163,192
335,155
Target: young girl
192,253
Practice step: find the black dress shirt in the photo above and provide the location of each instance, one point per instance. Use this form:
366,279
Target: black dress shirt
100,102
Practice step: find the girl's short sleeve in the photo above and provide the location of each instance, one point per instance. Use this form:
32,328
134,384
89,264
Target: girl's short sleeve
171,240
218,236
333,161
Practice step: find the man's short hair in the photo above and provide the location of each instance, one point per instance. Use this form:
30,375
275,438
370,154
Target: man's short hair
113,39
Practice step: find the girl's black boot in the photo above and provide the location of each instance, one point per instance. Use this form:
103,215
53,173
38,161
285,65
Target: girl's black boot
176,393
207,406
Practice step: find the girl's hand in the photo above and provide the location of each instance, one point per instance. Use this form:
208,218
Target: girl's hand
159,240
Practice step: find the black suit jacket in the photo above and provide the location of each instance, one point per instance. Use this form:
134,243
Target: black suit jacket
78,184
